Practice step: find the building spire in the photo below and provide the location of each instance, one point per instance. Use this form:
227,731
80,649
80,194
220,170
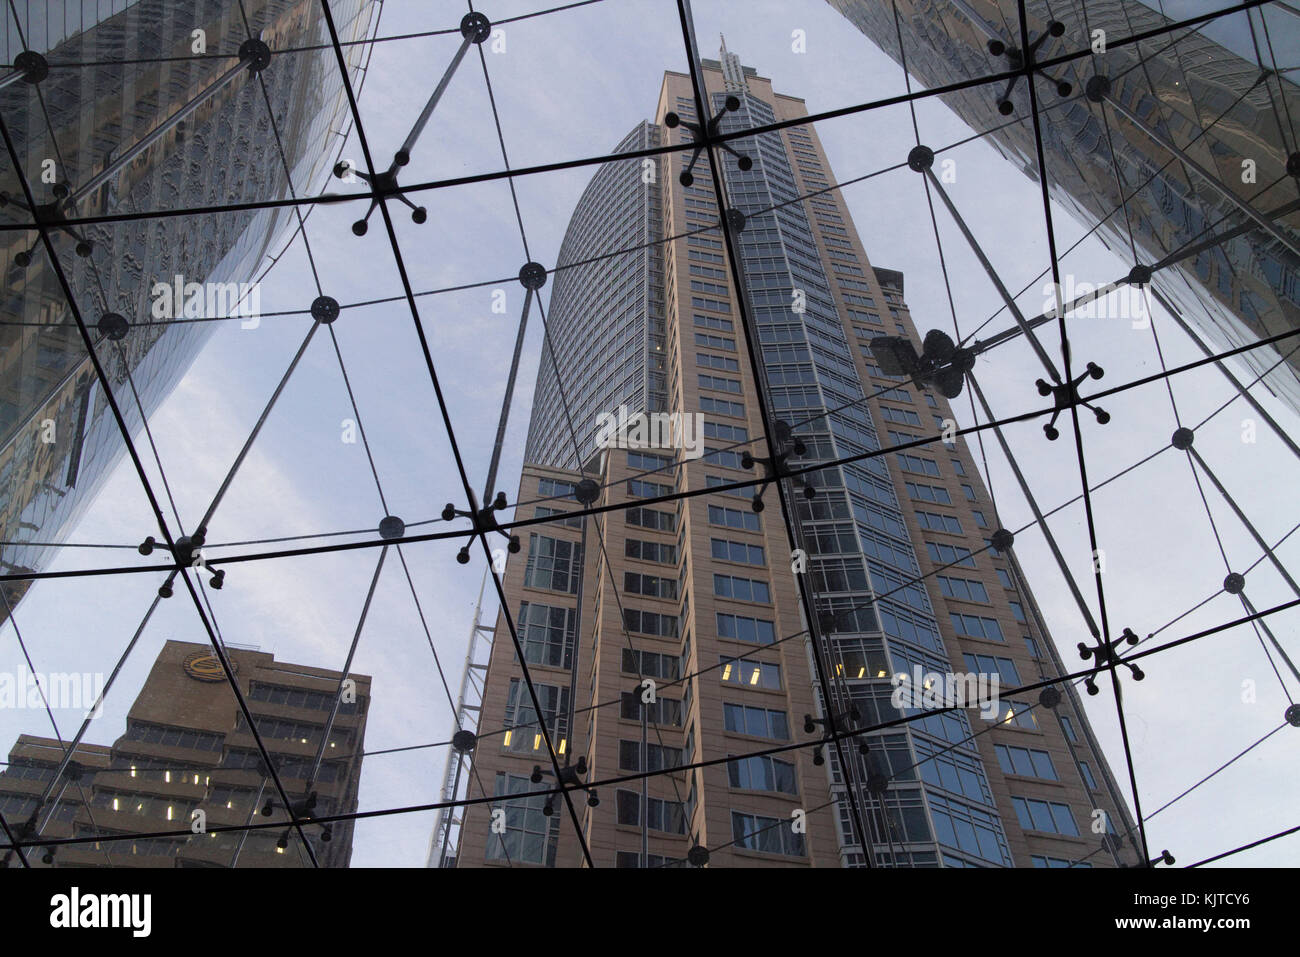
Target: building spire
733,74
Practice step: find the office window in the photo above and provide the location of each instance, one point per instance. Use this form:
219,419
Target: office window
707,341
297,698
966,589
547,634
1003,577
759,722
1069,728
550,488
1039,860
553,564
935,522
1048,816
650,623
631,859
976,626
897,416
928,493
958,467
733,518
640,488
839,574
722,406
970,492
659,758
529,834
1004,668
753,630
750,674
741,589
173,737
651,664
712,481
1018,611
1018,714
667,816
1032,646
914,463
719,384
650,518
771,835
762,773
667,711
1088,779
644,460
634,583
524,734
969,829
741,552
713,322
561,516
724,458
728,433
21,806
942,554
1029,762
979,518
947,768
661,552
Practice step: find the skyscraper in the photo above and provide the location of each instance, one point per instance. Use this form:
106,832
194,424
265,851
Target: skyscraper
671,628
1186,151
124,108
187,751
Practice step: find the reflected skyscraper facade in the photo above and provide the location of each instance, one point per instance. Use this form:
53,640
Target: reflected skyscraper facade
138,107
1192,148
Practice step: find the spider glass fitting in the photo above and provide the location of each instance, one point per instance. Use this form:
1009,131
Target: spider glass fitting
1106,656
775,467
570,776
474,28
1066,395
485,520
703,135
1024,61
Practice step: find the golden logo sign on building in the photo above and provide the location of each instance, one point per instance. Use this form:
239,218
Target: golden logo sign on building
205,666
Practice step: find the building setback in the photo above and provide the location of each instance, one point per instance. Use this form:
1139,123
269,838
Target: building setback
187,748
701,595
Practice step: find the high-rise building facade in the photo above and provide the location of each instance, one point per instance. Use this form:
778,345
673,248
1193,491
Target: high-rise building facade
1190,152
188,751
700,596
136,113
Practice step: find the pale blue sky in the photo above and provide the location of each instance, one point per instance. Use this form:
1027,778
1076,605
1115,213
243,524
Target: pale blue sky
570,85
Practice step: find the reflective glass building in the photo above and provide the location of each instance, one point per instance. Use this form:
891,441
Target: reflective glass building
705,596
605,328
138,107
1186,158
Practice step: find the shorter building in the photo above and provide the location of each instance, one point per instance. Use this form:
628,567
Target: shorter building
188,749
